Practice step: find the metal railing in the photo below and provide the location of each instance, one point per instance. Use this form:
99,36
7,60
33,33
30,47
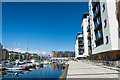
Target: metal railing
115,64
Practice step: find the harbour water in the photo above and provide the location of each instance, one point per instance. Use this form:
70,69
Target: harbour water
46,71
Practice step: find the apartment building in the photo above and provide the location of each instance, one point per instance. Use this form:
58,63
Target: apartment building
1,52
86,35
26,56
14,55
66,54
34,56
104,29
79,46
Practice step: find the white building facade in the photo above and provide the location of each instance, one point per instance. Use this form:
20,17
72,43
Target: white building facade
104,28
84,26
79,46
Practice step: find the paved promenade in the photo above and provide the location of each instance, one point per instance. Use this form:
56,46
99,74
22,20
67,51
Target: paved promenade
84,70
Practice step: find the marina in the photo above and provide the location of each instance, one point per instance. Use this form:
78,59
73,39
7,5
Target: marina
60,40
41,71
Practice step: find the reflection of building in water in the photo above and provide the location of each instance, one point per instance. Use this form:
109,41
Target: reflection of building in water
57,66
0,74
60,54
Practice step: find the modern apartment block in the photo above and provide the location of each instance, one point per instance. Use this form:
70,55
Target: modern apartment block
104,29
79,46
66,54
84,26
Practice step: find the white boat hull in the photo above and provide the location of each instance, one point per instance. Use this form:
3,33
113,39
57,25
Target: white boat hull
15,68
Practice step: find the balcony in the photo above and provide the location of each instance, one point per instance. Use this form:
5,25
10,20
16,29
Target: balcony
89,44
88,29
98,27
89,52
98,24
80,48
89,36
99,38
95,3
99,41
96,12
96,36
80,53
80,39
80,44
100,33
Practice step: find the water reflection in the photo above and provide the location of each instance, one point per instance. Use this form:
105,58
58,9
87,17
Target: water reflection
45,71
57,66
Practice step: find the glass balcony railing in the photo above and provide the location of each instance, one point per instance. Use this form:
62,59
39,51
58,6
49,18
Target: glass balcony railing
88,28
96,10
99,34
88,36
89,44
80,48
80,38
97,22
89,52
93,3
80,44
96,36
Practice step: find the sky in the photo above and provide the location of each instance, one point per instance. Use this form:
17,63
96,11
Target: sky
42,26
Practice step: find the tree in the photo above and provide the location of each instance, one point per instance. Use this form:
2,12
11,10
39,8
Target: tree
11,56
25,56
21,57
15,56
30,57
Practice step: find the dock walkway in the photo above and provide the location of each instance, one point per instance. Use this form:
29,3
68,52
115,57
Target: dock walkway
84,70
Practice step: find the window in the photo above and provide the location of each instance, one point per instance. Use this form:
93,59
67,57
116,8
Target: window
105,22
103,57
107,40
103,7
117,15
109,57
